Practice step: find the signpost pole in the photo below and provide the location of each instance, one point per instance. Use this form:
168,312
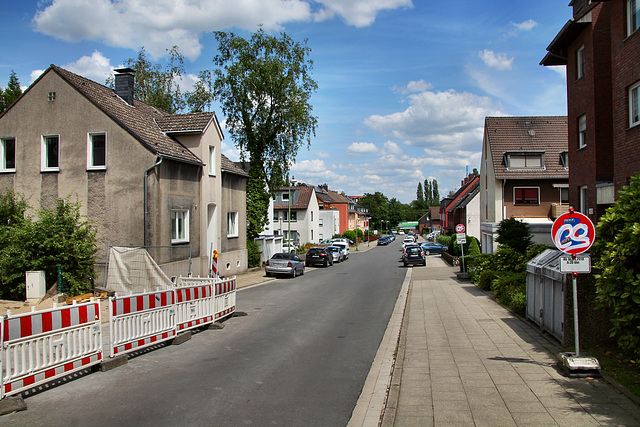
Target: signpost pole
576,330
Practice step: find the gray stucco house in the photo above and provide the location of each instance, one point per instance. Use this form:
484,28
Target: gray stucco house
143,177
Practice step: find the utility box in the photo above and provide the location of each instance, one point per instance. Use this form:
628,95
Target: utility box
36,285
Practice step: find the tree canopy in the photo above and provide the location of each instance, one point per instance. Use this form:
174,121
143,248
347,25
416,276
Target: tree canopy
264,87
10,93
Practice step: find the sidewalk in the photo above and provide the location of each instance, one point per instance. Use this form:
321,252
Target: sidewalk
463,360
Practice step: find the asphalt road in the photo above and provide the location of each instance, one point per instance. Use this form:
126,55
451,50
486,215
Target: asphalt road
299,357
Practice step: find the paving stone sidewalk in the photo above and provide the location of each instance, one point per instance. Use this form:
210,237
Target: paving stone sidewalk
464,360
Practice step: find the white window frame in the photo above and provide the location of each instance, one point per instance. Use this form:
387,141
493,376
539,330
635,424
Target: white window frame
91,150
526,204
232,224
3,154
285,196
582,131
580,63
583,194
213,164
633,11
44,154
634,105
179,234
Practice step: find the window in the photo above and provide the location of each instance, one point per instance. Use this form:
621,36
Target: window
212,160
50,153
580,63
634,105
525,161
179,226
583,199
564,196
97,151
526,196
285,195
564,159
51,96
633,16
294,216
582,131
232,224
7,155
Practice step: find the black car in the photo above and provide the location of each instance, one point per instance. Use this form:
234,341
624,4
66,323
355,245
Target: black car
414,255
384,241
317,255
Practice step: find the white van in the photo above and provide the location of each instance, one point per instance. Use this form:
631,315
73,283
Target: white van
344,246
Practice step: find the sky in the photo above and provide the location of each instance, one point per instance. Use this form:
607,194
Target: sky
403,85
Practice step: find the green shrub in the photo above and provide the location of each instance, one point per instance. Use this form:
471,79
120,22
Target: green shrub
443,239
506,285
253,253
519,303
617,257
514,233
485,278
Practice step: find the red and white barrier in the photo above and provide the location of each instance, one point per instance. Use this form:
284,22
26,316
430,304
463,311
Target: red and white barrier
225,297
194,306
40,346
138,321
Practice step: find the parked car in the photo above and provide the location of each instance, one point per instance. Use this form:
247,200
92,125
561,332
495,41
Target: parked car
401,232
316,255
289,247
284,263
336,253
433,248
414,255
326,242
345,248
408,241
384,240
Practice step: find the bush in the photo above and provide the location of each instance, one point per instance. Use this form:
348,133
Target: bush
59,237
519,303
485,278
443,239
253,253
506,285
617,257
514,233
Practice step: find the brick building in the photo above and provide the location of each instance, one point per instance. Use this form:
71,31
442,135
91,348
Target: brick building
600,47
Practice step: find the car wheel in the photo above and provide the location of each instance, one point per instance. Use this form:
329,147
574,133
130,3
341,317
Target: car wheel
326,264
267,274
424,264
427,253
302,272
306,264
294,274
406,264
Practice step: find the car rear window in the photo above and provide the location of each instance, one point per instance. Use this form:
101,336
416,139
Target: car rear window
413,250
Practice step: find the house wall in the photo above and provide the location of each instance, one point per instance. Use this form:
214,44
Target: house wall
233,258
473,217
343,208
591,96
490,188
548,195
113,198
330,224
625,60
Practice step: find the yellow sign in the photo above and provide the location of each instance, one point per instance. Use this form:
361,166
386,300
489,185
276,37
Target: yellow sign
215,254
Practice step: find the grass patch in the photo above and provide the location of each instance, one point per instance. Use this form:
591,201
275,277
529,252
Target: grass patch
619,368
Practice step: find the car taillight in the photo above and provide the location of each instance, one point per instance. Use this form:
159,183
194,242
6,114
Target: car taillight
289,264
267,263
323,254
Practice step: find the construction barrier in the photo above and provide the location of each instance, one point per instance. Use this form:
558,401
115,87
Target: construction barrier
225,297
38,347
194,306
138,321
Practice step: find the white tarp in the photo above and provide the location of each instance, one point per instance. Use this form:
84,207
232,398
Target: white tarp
133,270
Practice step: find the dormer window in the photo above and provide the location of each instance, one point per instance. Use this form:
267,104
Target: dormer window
524,160
564,159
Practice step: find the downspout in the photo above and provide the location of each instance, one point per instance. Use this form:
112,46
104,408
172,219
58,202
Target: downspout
146,198
504,207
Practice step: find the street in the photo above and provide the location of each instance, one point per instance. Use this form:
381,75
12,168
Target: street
299,357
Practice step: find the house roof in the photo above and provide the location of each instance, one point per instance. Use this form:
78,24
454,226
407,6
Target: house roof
228,166
466,198
304,197
463,193
141,120
522,135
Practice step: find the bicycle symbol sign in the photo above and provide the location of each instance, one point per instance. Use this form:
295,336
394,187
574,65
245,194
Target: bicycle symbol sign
573,233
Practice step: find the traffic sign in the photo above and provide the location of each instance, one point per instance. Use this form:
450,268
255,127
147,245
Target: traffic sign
575,264
461,238
573,232
460,228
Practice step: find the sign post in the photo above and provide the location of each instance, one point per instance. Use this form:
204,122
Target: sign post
461,239
573,233
214,263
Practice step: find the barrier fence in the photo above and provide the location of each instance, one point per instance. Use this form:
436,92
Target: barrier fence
41,346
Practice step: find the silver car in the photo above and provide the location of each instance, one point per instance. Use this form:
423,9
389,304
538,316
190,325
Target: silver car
337,253
283,263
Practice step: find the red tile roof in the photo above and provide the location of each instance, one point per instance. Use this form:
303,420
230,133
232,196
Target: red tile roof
303,200
546,134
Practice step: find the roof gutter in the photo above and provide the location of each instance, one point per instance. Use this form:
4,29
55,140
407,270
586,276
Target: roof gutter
146,197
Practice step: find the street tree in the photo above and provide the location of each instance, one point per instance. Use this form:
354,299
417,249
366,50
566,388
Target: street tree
264,87
10,93
378,206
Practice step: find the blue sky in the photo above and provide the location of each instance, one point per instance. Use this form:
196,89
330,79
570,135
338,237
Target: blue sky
404,85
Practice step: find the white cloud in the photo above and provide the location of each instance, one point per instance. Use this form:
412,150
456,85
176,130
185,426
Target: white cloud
414,87
96,67
34,75
362,148
527,25
161,24
362,13
496,60
446,120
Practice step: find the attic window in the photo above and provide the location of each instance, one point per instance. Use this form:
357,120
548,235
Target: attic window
564,159
51,96
524,160
532,132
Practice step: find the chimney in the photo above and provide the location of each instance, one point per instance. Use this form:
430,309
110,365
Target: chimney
125,78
